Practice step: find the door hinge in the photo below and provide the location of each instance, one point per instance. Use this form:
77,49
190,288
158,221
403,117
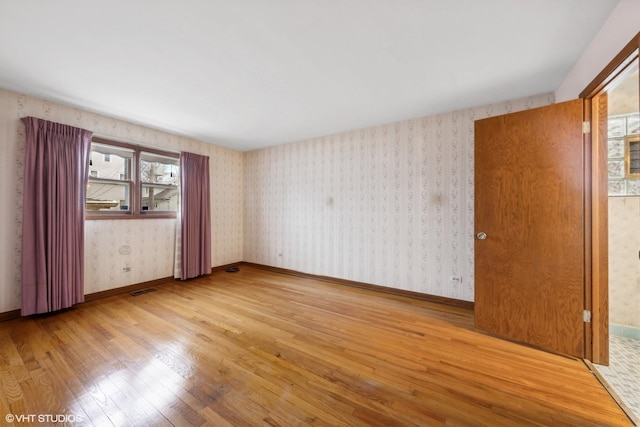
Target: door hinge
586,127
586,315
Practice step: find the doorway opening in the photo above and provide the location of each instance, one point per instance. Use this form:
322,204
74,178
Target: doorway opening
615,178
623,166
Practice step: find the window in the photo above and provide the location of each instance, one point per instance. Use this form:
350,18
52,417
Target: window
159,182
110,182
127,181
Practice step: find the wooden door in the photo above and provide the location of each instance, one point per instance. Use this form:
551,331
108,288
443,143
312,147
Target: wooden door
529,200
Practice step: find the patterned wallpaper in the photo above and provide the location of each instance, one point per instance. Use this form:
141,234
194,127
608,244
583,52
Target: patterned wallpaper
151,241
624,265
104,261
390,205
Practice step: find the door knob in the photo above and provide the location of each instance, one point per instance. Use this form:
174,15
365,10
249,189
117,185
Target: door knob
481,235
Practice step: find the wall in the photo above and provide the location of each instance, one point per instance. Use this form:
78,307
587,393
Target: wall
390,205
624,266
621,26
624,228
151,241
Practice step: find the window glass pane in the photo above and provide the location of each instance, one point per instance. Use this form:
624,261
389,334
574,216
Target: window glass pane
124,178
107,197
159,197
109,162
158,169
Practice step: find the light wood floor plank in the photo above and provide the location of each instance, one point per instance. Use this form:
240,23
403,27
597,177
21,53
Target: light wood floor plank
261,348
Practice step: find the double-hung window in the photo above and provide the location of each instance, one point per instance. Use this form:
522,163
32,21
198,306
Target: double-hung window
159,182
127,181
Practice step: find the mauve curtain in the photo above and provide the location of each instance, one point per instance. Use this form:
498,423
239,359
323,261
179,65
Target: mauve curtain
55,184
195,227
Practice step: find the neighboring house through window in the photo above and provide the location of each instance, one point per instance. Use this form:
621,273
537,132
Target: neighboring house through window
128,181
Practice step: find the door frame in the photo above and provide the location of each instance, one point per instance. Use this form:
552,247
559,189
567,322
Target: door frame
596,205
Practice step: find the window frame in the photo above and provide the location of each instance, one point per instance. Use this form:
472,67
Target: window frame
135,196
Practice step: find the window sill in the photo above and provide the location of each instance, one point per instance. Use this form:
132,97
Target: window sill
119,215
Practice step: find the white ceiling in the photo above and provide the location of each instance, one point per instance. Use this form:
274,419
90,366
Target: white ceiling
252,73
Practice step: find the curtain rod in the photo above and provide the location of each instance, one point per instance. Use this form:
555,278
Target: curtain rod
136,143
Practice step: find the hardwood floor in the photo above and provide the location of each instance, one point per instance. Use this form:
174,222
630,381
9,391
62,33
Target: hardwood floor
261,348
